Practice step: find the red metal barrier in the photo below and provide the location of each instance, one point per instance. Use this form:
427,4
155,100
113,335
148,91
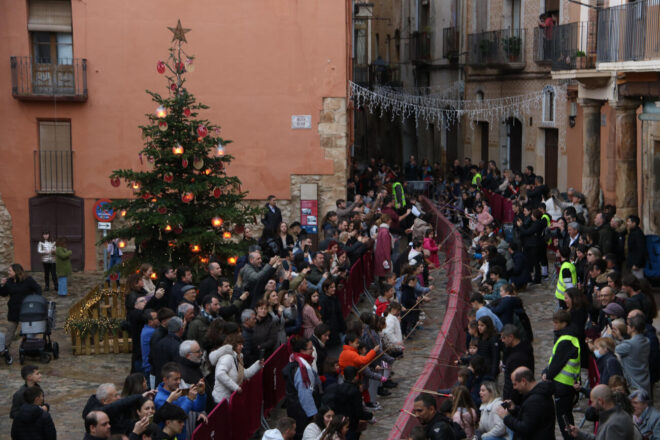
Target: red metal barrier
501,208
218,422
274,387
245,408
452,334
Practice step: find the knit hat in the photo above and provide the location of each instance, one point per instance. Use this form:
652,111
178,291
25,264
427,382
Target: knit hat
614,309
186,288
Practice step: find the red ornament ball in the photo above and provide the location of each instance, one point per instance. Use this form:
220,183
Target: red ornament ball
162,209
184,163
162,125
187,197
114,276
239,229
181,67
168,177
202,131
186,112
160,67
178,229
115,182
217,192
146,196
173,87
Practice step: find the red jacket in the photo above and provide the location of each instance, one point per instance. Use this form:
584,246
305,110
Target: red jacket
383,252
349,357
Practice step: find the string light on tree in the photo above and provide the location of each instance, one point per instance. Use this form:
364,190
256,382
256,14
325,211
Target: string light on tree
177,149
226,235
195,248
220,150
232,260
161,112
168,228
216,222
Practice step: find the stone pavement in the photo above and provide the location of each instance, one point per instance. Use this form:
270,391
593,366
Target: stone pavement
69,381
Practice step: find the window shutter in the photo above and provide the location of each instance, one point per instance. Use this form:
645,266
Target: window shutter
50,15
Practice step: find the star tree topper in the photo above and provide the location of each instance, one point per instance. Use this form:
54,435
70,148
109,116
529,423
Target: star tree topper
179,32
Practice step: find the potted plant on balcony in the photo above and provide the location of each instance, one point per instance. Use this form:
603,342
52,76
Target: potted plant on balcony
580,60
485,49
512,46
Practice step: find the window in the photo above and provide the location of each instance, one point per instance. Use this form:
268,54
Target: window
55,164
549,105
52,47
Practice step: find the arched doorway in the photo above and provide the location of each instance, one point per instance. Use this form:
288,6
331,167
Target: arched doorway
514,144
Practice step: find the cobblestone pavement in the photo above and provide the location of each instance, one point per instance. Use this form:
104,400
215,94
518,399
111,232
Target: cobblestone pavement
69,381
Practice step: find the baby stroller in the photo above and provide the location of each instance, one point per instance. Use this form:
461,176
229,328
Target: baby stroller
37,316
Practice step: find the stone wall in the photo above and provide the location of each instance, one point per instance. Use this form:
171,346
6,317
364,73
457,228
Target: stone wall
6,237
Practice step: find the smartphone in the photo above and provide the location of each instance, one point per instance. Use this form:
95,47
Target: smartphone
162,285
567,423
505,405
151,418
184,391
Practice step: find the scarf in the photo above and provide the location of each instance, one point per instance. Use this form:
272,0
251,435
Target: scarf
207,315
238,360
304,361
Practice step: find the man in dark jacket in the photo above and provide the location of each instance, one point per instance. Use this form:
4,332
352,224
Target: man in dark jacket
250,350
184,277
537,192
636,258
530,235
33,422
167,349
606,235
534,419
436,425
108,401
272,217
517,353
346,399
331,314
210,284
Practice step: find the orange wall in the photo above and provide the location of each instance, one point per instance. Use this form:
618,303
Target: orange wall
574,151
257,63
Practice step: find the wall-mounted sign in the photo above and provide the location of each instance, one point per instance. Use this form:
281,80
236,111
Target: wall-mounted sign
103,212
299,122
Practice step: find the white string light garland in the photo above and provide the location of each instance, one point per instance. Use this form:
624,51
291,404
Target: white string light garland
445,108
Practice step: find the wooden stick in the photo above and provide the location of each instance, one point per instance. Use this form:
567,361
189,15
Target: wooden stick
435,393
408,412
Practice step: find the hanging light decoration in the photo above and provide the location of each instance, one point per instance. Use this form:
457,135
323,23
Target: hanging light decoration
232,260
195,248
122,213
136,186
168,228
226,235
161,112
121,244
220,150
217,222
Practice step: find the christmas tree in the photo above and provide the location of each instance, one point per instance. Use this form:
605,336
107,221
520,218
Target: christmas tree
186,209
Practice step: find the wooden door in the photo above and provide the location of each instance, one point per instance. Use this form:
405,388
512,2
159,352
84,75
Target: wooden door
515,144
483,127
551,151
62,216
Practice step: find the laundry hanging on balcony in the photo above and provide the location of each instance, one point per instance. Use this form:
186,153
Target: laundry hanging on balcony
439,109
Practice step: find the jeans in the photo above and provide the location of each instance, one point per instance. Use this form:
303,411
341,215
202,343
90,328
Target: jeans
49,272
62,286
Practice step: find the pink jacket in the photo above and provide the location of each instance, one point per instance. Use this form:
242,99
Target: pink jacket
309,321
432,247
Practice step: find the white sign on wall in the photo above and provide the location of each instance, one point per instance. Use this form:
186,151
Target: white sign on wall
301,121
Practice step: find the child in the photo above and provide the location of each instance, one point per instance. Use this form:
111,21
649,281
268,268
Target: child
350,357
471,351
432,247
32,376
383,301
497,277
392,332
331,372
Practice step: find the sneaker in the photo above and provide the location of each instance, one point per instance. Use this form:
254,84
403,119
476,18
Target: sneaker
390,384
374,406
383,392
8,359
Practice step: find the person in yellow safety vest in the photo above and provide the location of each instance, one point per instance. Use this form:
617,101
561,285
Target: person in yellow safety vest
564,369
543,254
566,278
476,176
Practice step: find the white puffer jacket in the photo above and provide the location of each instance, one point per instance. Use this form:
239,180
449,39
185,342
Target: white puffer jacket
225,360
490,424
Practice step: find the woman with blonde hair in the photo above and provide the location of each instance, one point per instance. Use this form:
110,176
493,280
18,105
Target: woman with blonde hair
146,270
491,426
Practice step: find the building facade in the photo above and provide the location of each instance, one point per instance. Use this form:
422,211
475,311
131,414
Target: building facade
75,80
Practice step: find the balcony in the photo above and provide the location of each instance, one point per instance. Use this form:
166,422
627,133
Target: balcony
450,44
503,49
566,47
376,74
53,172
420,49
629,32
32,80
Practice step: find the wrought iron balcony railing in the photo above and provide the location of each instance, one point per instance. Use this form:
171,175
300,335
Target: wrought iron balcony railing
376,74
420,49
34,80
566,47
630,32
504,49
53,172
450,43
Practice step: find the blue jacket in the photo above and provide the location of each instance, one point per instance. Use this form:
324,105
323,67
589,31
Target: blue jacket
183,402
485,311
145,339
419,289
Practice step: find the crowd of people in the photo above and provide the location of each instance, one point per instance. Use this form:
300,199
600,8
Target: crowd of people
195,344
